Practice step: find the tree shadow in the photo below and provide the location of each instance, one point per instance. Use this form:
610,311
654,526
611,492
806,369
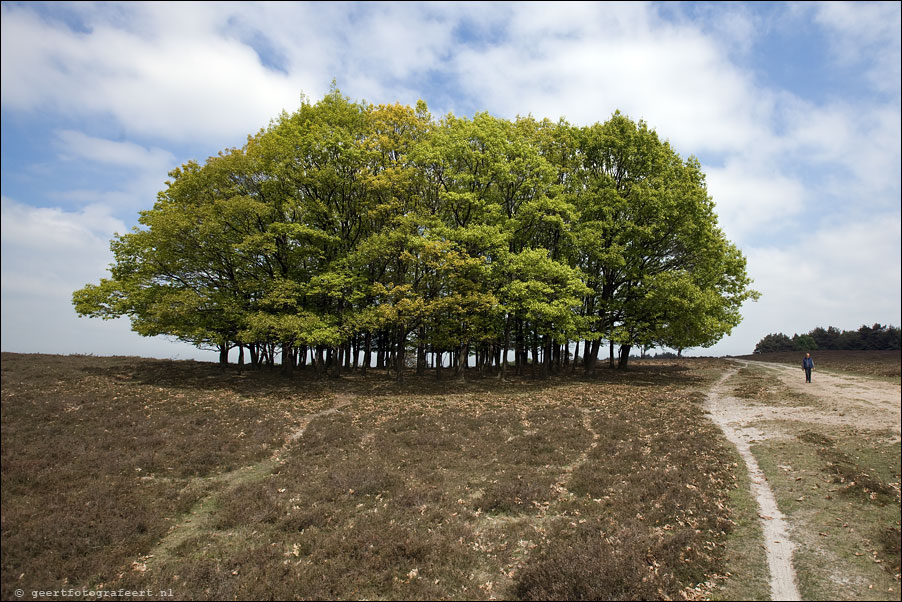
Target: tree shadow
188,375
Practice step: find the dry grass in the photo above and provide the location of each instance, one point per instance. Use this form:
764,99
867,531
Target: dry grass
615,487
840,490
101,454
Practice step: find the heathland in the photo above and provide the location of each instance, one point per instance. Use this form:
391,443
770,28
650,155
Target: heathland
137,474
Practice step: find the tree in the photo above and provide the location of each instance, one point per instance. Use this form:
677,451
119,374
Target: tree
774,342
181,273
545,294
347,228
804,342
660,269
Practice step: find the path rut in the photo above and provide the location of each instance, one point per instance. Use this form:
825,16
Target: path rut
200,517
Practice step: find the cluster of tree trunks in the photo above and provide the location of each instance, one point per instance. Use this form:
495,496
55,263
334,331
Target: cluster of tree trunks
384,353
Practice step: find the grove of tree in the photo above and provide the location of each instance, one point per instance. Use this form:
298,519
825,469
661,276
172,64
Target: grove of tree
348,235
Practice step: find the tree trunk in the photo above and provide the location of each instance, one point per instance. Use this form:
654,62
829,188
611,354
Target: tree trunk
223,356
535,354
421,350
611,353
287,360
367,352
337,353
592,356
624,356
320,360
402,340
518,348
390,353
380,352
462,356
546,356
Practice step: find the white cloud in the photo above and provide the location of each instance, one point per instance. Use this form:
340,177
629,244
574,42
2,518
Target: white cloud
176,78
50,251
215,71
135,173
78,145
749,200
188,70
619,57
844,276
866,33
859,142
735,26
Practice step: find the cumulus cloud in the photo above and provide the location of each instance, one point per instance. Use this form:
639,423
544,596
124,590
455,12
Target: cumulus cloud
606,57
866,34
50,251
221,71
133,173
859,141
174,77
217,71
749,199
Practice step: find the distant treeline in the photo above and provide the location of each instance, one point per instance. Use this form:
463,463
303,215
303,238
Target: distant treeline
866,337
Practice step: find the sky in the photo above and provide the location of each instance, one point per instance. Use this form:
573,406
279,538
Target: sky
793,110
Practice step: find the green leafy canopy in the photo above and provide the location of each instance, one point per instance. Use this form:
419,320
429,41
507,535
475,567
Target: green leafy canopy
346,218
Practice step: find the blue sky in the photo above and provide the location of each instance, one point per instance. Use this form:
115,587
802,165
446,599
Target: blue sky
792,108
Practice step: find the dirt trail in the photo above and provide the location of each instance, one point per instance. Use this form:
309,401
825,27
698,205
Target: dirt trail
777,544
841,399
834,399
200,517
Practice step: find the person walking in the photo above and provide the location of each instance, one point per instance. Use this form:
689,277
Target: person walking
807,366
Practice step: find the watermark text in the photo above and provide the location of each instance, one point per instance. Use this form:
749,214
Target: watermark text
94,594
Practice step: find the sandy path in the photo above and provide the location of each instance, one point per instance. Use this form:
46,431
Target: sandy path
840,399
778,546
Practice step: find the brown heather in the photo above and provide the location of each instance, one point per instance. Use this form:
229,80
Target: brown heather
121,473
